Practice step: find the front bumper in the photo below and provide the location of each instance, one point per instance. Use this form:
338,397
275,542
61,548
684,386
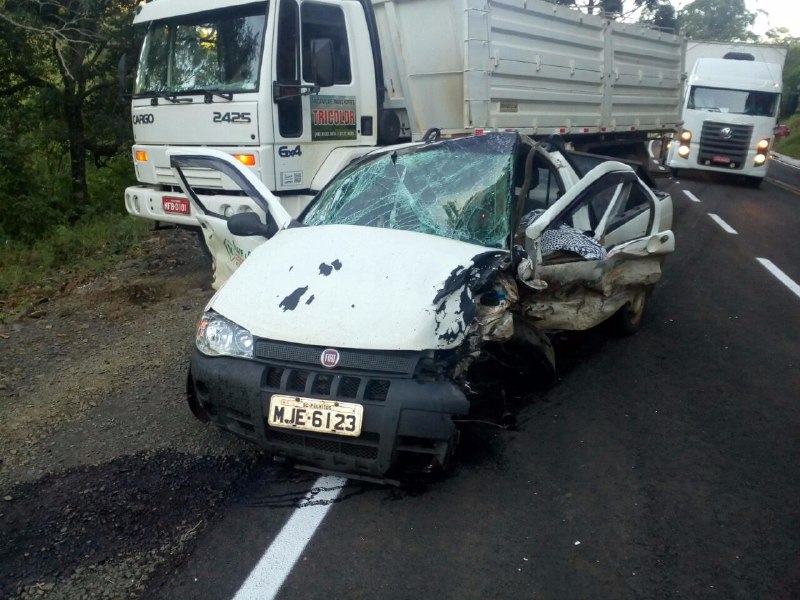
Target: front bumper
407,424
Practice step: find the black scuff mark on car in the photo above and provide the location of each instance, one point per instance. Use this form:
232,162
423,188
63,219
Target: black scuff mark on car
290,268
326,269
291,301
449,330
455,280
476,275
310,299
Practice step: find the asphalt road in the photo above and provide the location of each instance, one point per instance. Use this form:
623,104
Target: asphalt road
664,465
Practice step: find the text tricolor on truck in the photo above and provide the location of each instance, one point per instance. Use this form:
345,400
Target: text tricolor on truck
296,89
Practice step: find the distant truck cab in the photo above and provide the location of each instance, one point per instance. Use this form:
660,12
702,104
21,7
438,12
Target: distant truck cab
729,118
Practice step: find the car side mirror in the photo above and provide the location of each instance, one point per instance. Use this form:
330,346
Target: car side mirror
247,224
322,62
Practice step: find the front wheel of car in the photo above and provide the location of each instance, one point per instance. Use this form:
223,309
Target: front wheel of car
753,182
628,319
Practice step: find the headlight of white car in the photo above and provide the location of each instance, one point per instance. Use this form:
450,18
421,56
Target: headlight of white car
218,336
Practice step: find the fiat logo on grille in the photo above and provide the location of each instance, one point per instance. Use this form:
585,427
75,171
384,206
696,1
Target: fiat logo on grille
329,358
726,132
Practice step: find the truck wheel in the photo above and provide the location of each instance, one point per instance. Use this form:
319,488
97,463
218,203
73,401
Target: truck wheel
628,319
675,172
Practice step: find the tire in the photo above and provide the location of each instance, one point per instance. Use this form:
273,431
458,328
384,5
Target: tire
628,319
753,182
675,172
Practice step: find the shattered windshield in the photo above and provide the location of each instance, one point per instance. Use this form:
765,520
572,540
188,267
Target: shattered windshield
459,189
741,102
215,51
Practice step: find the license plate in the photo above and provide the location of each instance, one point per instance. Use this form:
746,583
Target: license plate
323,416
176,206
721,160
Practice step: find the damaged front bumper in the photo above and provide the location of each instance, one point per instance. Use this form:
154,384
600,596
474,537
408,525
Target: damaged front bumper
407,424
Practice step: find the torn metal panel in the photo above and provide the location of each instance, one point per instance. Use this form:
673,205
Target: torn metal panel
581,294
494,317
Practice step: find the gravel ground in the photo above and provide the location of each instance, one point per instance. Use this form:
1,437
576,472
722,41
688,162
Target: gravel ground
105,477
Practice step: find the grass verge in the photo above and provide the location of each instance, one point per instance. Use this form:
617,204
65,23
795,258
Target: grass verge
790,145
28,271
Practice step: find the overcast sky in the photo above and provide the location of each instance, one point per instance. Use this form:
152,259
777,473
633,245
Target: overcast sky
780,13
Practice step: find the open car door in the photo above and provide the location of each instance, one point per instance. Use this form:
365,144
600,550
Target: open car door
596,250
229,238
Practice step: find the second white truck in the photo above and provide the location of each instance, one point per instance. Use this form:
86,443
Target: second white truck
731,107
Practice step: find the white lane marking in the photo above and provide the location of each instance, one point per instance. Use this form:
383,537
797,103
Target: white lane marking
691,196
781,276
274,567
723,224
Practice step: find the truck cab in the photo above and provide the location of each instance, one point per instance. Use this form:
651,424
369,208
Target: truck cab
259,80
730,112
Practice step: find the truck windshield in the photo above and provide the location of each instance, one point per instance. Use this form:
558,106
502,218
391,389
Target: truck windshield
459,189
740,102
212,51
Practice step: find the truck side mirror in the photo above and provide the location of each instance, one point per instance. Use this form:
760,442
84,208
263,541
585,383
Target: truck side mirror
322,62
122,76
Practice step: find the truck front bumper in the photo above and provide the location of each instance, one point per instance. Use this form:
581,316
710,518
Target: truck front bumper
407,423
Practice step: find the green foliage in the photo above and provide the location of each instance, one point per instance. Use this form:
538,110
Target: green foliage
791,76
62,118
790,146
723,20
87,249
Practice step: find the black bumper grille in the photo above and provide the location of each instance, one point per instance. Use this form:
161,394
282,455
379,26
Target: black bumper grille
724,144
394,362
326,385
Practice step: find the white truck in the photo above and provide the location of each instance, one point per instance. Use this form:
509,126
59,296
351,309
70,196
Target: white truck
730,110
297,89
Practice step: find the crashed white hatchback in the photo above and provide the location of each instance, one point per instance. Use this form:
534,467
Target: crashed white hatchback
352,341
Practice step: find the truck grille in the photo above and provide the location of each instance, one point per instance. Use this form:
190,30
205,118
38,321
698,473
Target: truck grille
724,144
394,362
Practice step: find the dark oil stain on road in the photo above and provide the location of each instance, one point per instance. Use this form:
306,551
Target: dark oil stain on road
88,516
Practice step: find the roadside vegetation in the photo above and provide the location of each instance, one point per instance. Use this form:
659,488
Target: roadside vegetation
790,145
43,245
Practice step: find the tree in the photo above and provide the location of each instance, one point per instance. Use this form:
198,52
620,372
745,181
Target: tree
791,68
654,13
59,57
724,20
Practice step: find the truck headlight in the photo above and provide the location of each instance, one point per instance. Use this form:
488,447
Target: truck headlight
218,336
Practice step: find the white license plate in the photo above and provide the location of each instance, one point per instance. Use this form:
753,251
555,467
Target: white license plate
176,206
323,416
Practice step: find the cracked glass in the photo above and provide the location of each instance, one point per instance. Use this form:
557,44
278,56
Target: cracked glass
459,189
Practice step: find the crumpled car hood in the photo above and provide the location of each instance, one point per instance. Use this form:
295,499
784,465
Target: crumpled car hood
349,286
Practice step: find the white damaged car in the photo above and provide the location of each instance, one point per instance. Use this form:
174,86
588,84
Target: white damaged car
353,340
